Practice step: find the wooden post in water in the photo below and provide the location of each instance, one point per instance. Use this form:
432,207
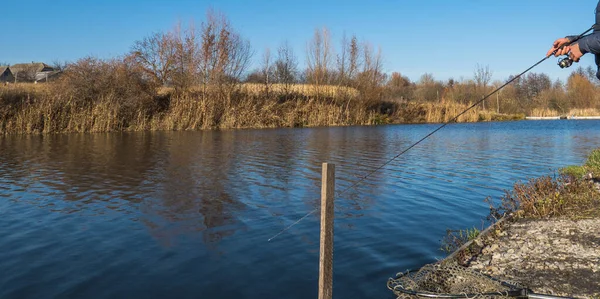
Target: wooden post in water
326,248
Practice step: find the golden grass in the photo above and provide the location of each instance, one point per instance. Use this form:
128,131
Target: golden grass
42,112
445,112
50,116
28,86
46,108
545,112
303,89
188,113
584,112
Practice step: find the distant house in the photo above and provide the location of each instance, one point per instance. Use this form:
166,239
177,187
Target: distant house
6,75
33,72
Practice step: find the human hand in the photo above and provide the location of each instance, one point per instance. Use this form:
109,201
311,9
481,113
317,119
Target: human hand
575,52
560,47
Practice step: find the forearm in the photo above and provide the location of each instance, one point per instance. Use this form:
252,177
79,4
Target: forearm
589,43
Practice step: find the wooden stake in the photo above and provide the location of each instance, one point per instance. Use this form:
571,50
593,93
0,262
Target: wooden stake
326,248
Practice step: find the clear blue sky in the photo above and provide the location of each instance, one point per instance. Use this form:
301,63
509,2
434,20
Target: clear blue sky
446,38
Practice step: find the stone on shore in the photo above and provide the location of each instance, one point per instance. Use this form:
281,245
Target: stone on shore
558,257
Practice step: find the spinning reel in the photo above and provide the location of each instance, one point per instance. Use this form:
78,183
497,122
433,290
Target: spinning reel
565,62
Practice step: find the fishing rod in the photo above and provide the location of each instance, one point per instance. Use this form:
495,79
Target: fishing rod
563,63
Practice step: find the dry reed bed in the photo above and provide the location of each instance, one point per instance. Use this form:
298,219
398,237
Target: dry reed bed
33,110
255,89
544,112
29,108
332,91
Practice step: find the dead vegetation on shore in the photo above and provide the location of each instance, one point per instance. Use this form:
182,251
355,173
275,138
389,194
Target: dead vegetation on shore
101,105
573,193
544,234
199,77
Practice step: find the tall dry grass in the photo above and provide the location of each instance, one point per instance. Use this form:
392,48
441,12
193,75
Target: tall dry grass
99,107
331,91
447,111
249,111
256,89
25,109
545,112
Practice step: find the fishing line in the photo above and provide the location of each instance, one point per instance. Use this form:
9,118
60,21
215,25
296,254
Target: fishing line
363,178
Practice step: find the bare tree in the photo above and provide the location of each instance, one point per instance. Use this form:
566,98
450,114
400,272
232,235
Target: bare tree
581,91
255,76
156,54
429,89
59,65
185,66
589,73
240,54
354,58
400,87
371,78
342,62
286,67
319,59
483,76
267,70
224,54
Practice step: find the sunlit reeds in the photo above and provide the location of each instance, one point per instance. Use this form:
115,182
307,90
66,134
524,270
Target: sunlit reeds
545,112
55,107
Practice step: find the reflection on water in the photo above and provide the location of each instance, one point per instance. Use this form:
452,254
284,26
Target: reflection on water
187,214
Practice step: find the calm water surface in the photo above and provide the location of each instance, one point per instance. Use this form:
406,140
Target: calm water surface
188,214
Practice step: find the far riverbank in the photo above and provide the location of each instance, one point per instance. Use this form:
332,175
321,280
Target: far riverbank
71,106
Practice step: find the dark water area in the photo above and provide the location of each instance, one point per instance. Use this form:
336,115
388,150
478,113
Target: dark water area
188,214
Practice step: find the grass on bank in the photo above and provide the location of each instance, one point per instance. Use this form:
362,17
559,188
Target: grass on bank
454,239
256,89
544,112
572,194
102,105
331,91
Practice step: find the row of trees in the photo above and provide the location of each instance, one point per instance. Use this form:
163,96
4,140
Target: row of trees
216,56
199,77
214,59
532,92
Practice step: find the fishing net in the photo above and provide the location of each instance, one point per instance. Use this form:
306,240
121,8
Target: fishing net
452,281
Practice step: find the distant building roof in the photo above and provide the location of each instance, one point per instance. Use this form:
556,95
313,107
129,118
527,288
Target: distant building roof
49,75
3,69
37,66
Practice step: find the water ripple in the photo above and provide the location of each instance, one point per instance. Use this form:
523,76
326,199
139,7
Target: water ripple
188,214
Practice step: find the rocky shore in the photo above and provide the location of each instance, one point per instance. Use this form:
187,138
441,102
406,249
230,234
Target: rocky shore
547,240
556,256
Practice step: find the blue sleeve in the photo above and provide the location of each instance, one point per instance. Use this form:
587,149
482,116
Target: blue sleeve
590,43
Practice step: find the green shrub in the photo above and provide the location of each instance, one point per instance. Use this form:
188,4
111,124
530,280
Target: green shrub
593,162
573,171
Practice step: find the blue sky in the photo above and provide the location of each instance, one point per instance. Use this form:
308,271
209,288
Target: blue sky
446,38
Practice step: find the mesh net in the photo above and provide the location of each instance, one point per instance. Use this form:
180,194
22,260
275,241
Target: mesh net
443,280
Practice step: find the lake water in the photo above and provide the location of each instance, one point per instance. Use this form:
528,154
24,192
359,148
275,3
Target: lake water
188,214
